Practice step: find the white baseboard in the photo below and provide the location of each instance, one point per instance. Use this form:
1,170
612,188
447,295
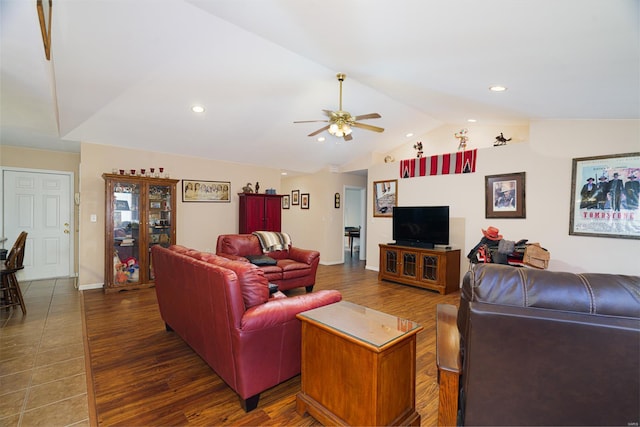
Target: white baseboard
90,286
331,263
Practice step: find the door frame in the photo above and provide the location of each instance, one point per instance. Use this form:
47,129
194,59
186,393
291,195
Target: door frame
362,254
73,201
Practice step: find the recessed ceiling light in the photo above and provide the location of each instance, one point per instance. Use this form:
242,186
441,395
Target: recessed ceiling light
321,139
497,88
471,120
283,173
409,135
197,109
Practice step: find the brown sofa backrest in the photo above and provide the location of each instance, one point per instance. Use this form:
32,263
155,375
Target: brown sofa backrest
549,348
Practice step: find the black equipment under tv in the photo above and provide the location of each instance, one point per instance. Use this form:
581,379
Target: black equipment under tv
421,226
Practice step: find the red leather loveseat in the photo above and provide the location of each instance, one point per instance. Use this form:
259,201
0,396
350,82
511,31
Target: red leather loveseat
223,310
294,268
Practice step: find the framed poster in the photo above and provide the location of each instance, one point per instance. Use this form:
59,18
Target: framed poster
604,196
206,191
505,195
385,197
304,201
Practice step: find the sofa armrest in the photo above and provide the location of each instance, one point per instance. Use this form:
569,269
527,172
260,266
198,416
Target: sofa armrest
280,310
303,255
448,362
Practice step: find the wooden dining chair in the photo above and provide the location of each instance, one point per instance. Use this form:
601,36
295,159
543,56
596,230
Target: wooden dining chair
10,293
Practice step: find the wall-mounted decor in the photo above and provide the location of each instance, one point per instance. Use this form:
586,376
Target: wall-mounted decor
505,195
385,197
295,197
604,196
285,201
205,191
441,164
336,200
304,201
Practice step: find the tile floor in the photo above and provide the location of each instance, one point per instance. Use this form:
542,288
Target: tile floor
42,360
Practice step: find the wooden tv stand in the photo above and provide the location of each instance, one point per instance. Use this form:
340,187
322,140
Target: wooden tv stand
434,269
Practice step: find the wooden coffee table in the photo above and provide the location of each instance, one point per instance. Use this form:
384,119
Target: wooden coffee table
358,366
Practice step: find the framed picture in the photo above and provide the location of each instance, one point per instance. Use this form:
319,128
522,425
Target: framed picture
304,201
336,200
206,191
285,201
155,205
295,197
385,197
604,196
505,195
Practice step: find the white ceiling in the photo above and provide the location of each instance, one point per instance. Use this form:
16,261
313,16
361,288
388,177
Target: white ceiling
126,72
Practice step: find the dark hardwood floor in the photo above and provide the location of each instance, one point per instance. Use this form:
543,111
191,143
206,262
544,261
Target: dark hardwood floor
145,376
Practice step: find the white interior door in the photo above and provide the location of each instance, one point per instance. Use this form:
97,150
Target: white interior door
40,204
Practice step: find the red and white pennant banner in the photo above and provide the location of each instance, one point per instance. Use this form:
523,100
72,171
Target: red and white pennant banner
443,164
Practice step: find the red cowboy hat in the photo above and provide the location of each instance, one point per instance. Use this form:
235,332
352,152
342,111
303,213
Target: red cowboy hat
492,233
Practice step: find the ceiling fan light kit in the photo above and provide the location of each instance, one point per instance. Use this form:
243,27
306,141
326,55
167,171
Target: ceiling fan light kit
341,123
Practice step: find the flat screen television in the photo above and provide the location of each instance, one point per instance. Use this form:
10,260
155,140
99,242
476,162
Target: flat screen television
421,226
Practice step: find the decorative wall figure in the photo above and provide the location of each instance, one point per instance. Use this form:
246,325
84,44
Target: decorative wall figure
418,147
501,140
462,136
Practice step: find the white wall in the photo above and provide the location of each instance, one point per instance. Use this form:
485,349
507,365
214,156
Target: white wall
198,224
319,227
546,159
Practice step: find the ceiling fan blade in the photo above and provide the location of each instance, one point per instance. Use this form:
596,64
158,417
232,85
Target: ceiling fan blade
311,121
368,116
367,127
348,137
322,129
329,113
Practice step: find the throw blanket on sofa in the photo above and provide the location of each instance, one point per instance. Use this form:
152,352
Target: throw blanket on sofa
273,241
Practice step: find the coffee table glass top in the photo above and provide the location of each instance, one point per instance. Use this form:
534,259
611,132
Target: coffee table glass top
363,323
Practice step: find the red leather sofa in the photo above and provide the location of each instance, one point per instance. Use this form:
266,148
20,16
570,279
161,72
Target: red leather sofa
295,267
223,310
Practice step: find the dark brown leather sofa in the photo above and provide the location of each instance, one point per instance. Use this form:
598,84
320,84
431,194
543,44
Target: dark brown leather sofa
535,347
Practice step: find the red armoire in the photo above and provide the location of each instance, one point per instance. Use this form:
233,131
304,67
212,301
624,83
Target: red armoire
260,212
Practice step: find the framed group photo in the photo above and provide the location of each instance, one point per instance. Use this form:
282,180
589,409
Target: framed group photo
604,196
385,197
206,191
505,195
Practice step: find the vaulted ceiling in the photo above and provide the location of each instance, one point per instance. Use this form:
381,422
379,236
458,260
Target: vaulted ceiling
127,72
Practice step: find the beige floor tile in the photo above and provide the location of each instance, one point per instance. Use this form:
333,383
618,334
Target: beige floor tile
10,421
54,391
59,354
50,342
14,382
17,351
61,413
56,371
20,364
11,403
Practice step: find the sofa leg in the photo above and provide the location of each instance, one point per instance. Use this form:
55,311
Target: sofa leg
309,288
250,403
167,327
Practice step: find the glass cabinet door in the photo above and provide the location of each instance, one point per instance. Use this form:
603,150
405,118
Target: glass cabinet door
160,219
126,232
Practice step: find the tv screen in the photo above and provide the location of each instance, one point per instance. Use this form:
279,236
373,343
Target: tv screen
422,226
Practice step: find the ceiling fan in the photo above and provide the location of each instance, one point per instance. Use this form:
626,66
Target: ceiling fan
341,122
